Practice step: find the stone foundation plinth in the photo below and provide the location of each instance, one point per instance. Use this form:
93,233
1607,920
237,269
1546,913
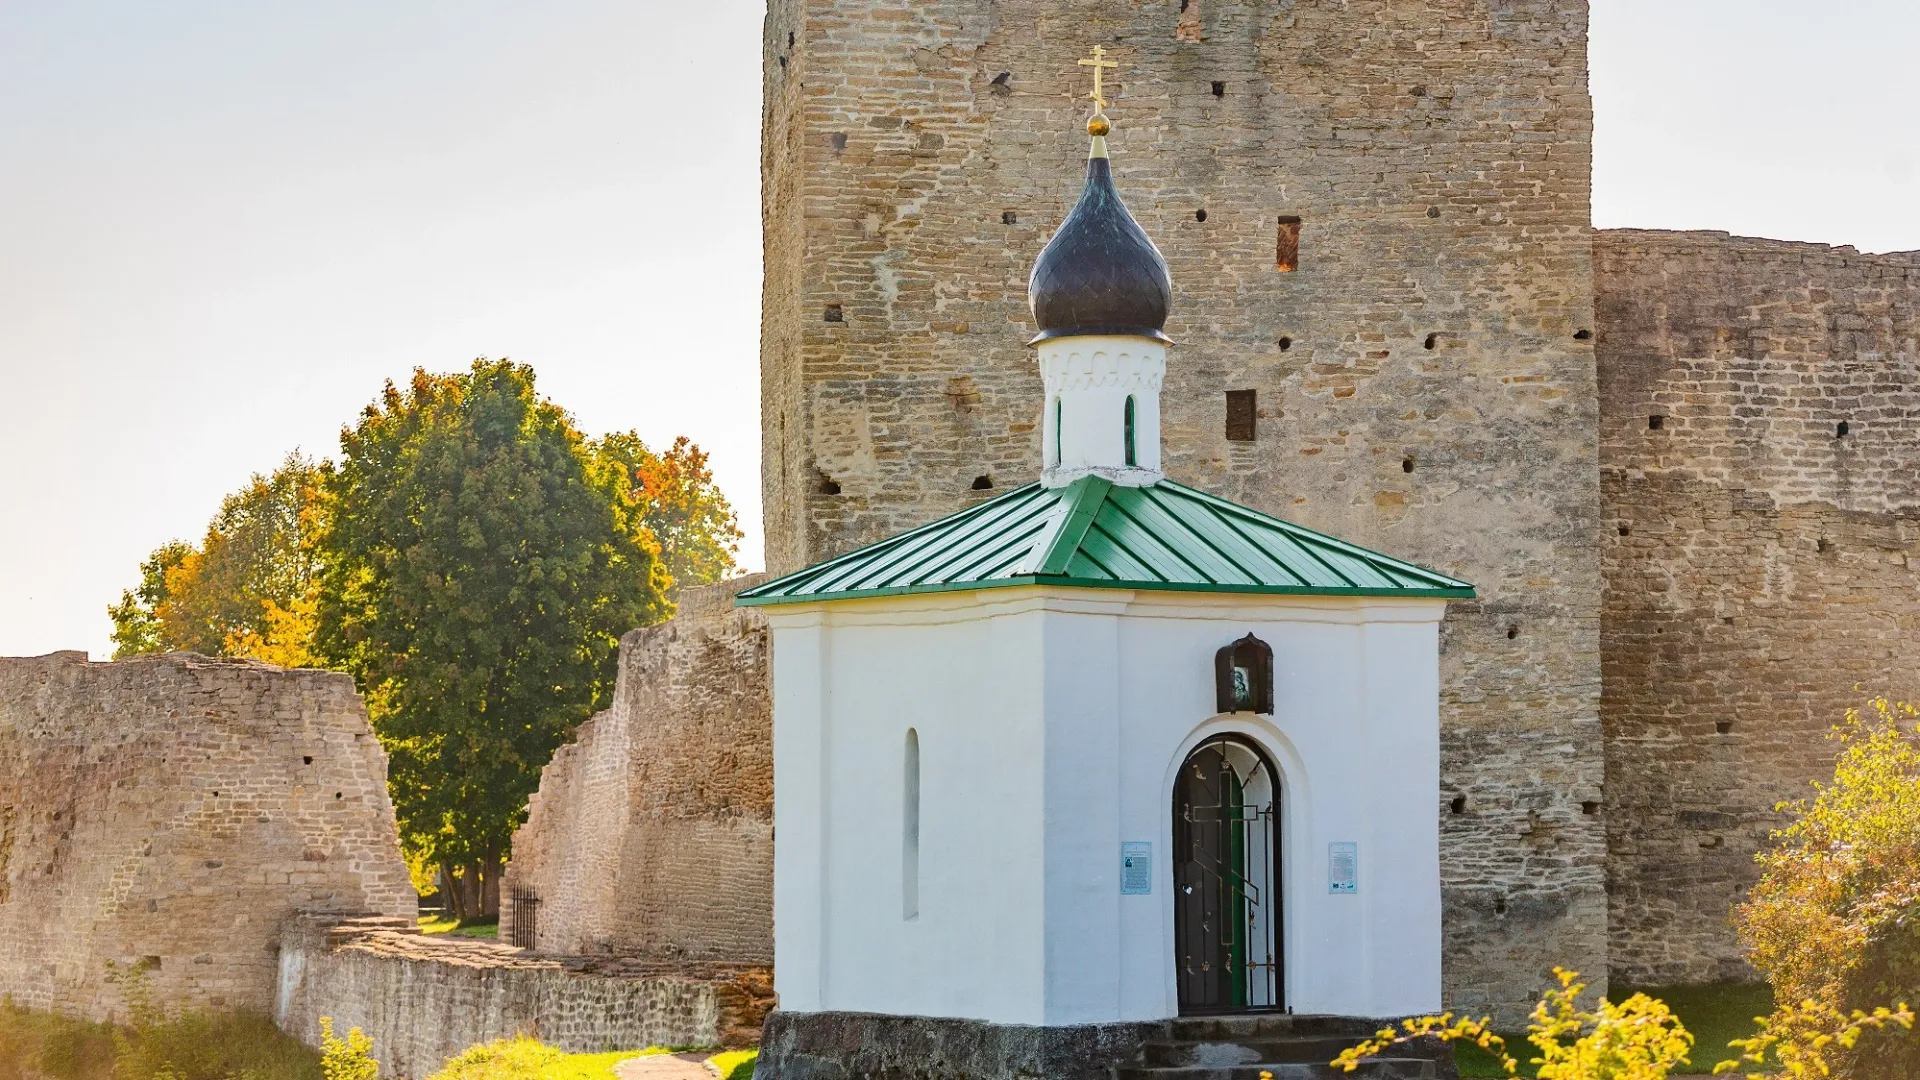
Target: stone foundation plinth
849,1045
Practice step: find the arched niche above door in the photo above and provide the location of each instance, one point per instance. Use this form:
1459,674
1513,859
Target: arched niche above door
1243,677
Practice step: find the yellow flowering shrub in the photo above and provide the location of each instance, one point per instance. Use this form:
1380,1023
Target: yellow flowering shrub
1835,919
1636,1039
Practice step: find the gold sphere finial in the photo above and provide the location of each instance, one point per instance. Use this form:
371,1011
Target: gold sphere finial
1097,125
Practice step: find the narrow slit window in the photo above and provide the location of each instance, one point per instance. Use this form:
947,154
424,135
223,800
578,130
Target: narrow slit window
1056,431
1132,458
1286,247
910,831
1241,407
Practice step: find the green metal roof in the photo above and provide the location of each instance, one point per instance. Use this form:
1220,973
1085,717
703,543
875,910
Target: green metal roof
1094,535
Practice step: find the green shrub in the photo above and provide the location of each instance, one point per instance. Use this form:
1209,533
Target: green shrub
1835,919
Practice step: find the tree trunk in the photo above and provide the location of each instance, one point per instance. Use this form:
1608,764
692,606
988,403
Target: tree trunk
487,874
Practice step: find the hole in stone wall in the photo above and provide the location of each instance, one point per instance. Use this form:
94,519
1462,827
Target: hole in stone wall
1219,89
1626,530
1824,545
1590,807
1285,343
1582,335
828,486
147,963
1008,217
1655,423
1841,429
1513,632
1723,726
1433,211
1500,905
1200,214
789,40
783,61
1458,805
1726,620
983,483
307,760
1241,405
1406,464
1432,340
1286,245
339,794
837,140
834,314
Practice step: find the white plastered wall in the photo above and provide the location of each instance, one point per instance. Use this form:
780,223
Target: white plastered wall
1051,723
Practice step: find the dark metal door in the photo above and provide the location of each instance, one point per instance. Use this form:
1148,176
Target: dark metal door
1226,906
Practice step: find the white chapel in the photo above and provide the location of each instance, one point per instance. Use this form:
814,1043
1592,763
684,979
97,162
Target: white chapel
1106,749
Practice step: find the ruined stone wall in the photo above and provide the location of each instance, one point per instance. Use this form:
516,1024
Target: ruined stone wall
652,832
173,812
1424,379
1760,454
423,1000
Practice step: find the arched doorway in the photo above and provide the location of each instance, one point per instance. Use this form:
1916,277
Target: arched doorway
1226,878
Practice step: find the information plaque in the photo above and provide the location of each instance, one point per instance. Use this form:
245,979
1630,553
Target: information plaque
1136,868
1343,867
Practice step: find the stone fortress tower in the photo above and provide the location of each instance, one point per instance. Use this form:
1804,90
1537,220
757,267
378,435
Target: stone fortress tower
1682,469
1377,223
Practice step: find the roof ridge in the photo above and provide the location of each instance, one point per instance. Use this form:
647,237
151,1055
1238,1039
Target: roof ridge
1088,495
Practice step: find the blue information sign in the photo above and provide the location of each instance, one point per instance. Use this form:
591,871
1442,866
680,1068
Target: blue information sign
1343,868
1136,868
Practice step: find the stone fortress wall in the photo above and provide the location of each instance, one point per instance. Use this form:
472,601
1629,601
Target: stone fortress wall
1760,478
174,813
423,1000
1424,381
652,833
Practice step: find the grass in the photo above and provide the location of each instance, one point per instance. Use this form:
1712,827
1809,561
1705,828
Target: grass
734,1064
1715,1015
192,1046
440,924
527,1059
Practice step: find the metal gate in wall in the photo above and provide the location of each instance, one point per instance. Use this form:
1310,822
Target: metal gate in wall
526,910
1226,875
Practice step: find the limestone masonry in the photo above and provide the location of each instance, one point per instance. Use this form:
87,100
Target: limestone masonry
1760,478
174,813
652,832
1682,469
423,1000
1423,383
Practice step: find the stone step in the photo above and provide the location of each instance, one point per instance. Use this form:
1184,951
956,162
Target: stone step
1373,1069
1267,1025
1301,1049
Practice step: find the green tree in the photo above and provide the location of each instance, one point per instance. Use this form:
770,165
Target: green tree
136,621
680,506
480,570
249,588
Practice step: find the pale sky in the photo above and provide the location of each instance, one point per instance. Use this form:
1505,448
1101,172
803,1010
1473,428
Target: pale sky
222,226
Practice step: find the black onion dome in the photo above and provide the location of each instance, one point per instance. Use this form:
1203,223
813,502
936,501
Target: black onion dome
1100,274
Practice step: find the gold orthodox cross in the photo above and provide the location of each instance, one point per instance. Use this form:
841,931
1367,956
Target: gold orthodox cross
1098,62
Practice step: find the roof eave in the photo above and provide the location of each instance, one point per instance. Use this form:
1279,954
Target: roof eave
1462,592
